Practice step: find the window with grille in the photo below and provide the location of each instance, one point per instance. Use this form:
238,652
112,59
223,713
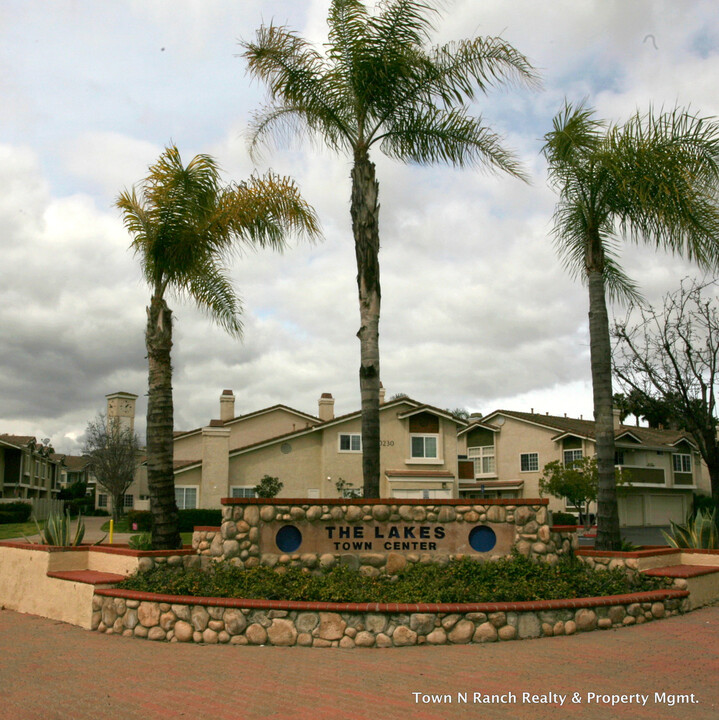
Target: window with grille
682,463
186,498
483,458
570,456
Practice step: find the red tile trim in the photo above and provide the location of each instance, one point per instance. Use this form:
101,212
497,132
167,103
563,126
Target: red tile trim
207,528
108,549
650,552
651,596
88,577
382,501
681,571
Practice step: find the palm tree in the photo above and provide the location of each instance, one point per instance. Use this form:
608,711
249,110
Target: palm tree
379,85
652,180
185,225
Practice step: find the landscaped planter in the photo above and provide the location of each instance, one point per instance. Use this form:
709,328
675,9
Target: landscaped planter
286,623
57,582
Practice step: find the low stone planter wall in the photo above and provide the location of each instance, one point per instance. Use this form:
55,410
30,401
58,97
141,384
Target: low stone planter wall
347,625
378,536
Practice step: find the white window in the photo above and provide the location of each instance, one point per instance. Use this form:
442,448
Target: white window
186,498
529,462
128,502
483,460
424,446
350,442
682,463
243,491
571,455
101,500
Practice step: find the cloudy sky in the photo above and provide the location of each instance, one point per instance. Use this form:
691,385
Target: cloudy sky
477,312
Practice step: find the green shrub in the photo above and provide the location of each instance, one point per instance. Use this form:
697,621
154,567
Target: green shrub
79,506
505,580
15,512
189,518
141,518
143,541
702,502
268,487
562,518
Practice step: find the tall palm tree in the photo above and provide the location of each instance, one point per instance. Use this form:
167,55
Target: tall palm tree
379,85
652,180
185,225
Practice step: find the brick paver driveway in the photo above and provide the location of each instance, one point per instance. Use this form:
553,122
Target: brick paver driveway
53,671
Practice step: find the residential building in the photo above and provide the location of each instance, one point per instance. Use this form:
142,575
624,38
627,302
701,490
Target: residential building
28,469
505,452
75,469
315,456
320,456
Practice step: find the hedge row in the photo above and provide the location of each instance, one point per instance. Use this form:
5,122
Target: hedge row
187,519
506,580
15,512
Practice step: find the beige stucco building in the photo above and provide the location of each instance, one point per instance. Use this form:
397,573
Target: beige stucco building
506,452
316,456
425,452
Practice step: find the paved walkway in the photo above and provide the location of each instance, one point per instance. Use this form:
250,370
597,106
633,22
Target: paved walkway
93,533
53,671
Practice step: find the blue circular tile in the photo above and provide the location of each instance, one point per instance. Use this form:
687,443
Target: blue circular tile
482,538
288,538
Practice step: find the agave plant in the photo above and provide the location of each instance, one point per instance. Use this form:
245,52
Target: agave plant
699,533
57,530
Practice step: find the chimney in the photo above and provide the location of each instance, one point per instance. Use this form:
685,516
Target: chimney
227,405
617,414
326,407
381,394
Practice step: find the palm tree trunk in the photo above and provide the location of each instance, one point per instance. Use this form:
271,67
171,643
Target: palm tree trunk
608,537
160,476
365,227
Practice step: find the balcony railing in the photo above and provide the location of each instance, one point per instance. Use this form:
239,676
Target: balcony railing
642,475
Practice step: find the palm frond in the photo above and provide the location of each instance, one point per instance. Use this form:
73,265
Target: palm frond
667,178
264,210
185,224
211,289
463,68
430,135
572,143
300,83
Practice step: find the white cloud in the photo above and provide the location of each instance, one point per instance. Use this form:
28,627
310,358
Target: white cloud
477,311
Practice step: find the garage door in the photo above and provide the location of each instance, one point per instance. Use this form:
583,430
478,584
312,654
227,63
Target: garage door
631,510
661,509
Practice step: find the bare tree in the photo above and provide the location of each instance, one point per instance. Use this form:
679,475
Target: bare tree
671,355
114,452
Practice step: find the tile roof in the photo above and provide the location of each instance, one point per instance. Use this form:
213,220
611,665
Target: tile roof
585,428
178,433
18,439
337,419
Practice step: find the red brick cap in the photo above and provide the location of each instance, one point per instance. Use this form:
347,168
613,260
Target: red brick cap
681,571
382,501
529,605
88,577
